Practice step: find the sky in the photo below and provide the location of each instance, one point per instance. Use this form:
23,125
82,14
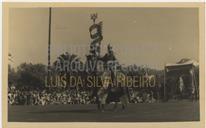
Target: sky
141,36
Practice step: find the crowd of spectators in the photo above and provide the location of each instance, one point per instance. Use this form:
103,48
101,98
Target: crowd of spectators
47,96
25,96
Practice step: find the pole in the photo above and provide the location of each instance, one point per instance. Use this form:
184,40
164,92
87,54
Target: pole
49,46
49,42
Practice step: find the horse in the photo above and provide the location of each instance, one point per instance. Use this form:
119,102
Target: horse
113,89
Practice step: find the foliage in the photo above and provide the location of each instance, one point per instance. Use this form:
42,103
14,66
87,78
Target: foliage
28,75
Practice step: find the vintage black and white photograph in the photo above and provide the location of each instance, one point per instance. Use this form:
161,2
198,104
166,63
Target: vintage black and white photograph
103,64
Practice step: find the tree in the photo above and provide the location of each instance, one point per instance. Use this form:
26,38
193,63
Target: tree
67,63
31,75
12,76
